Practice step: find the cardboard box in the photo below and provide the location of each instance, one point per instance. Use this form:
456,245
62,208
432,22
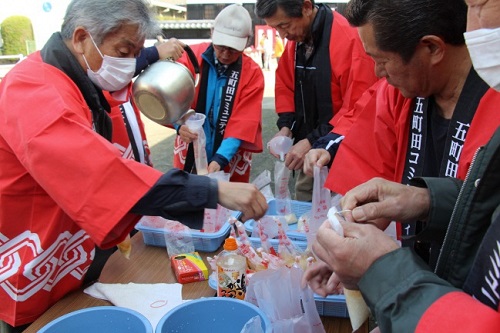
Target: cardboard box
189,267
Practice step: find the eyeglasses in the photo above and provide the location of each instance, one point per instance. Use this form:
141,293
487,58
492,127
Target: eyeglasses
221,48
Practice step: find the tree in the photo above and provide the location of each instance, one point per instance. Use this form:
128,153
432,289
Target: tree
16,32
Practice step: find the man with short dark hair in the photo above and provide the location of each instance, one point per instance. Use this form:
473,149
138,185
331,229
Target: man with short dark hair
321,74
462,293
427,115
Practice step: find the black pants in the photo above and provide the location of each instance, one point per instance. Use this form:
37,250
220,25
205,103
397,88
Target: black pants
6,328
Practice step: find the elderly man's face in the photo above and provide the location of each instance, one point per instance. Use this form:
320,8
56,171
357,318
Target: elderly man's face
483,14
292,28
412,78
226,55
123,43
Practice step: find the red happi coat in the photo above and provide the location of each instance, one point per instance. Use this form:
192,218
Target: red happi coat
48,149
245,122
376,144
352,71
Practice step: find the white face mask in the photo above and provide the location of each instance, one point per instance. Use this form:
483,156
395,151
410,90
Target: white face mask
484,50
115,73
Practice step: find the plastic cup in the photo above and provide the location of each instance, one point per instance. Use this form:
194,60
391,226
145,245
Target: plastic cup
280,145
195,121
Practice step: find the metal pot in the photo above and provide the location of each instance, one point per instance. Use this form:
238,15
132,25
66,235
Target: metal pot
165,90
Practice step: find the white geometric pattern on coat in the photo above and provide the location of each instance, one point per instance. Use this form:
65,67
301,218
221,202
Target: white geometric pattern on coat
44,270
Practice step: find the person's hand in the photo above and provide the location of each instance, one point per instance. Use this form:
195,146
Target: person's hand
315,157
284,131
172,48
294,159
243,197
380,201
186,134
213,167
350,256
321,279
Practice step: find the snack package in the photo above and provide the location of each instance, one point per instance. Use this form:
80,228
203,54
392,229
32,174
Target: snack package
189,267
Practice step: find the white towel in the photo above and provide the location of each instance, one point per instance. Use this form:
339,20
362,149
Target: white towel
151,300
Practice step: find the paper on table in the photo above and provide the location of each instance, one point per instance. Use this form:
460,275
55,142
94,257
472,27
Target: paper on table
151,300
356,306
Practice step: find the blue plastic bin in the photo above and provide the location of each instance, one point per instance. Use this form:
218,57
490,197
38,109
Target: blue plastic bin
298,208
100,319
214,314
203,241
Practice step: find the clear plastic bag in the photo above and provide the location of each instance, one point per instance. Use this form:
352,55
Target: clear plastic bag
178,237
281,190
200,153
213,219
321,201
279,295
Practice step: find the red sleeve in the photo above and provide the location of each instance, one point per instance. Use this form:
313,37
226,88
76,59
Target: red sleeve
459,312
353,71
285,77
375,143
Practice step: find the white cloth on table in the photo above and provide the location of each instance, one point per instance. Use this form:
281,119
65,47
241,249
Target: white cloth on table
151,300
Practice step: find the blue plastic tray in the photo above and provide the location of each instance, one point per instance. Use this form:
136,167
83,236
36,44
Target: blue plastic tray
203,241
298,208
256,243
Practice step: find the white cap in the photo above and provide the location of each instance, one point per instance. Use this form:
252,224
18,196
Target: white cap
232,27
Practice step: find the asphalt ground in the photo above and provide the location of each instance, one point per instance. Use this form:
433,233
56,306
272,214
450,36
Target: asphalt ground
161,139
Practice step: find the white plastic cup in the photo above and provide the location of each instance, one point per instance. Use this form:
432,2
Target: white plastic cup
280,145
195,121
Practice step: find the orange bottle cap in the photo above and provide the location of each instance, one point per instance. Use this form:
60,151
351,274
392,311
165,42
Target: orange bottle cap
230,244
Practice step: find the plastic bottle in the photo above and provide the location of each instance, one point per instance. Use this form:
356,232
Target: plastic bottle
231,271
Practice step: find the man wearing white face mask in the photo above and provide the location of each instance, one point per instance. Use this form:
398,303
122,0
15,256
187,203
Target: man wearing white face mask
65,189
484,50
115,72
462,294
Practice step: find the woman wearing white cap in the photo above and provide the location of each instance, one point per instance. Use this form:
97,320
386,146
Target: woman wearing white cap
230,94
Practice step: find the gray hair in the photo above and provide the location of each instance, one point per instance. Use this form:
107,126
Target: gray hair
101,17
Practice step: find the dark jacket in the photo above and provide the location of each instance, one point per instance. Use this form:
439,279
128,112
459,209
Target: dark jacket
405,295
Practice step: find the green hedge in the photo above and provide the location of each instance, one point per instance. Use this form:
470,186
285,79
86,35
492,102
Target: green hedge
16,31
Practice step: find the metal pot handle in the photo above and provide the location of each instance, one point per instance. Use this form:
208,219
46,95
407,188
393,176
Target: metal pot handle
194,61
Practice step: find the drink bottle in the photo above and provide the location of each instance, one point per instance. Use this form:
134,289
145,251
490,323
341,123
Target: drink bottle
231,270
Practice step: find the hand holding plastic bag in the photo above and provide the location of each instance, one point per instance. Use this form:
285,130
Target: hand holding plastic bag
356,306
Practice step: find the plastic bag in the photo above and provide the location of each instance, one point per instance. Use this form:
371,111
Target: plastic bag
254,325
178,239
200,153
213,219
281,190
356,306
321,200
279,295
